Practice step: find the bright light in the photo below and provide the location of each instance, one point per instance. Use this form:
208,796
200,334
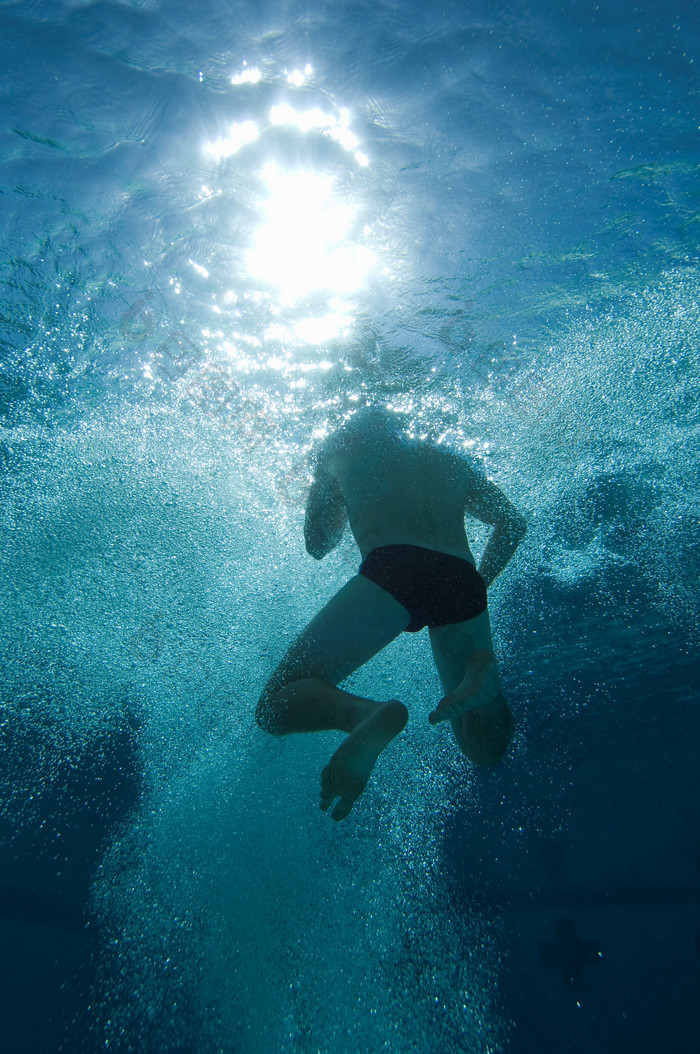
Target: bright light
239,136
276,331
316,120
251,76
299,77
199,269
303,244
321,330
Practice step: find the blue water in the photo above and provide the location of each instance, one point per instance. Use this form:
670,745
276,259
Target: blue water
222,227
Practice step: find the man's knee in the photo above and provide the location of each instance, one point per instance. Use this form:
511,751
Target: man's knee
484,735
266,713
278,695
271,702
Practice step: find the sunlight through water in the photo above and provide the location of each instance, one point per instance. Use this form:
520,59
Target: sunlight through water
307,253
225,228
303,244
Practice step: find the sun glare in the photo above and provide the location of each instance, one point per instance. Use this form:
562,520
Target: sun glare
317,120
239,136
306,252
303,244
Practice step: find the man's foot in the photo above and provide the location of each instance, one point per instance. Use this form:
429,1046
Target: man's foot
483,735
480,686
346,774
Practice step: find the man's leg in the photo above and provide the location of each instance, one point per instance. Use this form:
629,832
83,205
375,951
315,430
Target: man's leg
474,704
302,695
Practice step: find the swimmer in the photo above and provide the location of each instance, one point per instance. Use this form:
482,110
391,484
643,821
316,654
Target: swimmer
405,501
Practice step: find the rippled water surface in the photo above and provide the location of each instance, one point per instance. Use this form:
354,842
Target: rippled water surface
223,226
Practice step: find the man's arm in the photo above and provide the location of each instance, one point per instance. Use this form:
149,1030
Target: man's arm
489,504
326,516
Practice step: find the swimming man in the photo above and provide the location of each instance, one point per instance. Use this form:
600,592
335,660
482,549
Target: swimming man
405,501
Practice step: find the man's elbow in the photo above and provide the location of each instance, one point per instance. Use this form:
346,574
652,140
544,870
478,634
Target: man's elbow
316,542
514,526
519,526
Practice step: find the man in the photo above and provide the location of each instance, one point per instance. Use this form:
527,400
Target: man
405,501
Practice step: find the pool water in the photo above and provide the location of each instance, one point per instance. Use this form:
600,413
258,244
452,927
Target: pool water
223,228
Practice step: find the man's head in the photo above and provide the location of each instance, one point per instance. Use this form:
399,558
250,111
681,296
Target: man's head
376,417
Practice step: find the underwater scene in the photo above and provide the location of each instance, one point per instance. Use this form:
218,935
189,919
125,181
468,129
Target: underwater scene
225,227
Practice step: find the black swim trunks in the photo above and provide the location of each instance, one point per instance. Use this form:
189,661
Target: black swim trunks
435,588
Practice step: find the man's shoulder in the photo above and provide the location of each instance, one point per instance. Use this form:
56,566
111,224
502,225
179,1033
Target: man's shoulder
461,462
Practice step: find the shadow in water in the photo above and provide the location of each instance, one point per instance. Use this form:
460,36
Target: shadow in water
62,803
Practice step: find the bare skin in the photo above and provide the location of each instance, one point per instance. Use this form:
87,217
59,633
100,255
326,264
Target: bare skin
346,774
391,491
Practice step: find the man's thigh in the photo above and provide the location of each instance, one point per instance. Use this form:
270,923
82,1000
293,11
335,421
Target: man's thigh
454,644
355,624
483,734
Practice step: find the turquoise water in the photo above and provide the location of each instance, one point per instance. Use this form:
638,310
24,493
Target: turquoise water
222,228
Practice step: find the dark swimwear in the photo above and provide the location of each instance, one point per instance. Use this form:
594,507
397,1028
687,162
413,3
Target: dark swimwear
435,588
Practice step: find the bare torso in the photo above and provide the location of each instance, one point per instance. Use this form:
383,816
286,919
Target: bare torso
398,491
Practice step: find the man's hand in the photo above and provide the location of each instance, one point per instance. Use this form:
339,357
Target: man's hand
507,536
486,502
479,687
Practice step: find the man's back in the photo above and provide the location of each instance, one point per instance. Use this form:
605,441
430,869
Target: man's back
399,491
